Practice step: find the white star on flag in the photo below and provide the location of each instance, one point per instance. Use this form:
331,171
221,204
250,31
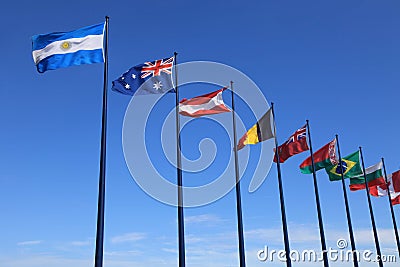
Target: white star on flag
127,86
157,85
133,76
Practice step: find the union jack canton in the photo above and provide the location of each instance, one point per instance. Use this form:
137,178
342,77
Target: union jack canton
299,134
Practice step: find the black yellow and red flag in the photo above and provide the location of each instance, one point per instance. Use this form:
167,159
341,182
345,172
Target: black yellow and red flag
261,131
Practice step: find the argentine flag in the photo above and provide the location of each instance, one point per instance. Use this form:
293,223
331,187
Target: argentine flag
63,49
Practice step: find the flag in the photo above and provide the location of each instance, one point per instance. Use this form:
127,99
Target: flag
261,131
350,166
393,185
296,144
374,175
396,181
147,78
324,157
64,49
207,104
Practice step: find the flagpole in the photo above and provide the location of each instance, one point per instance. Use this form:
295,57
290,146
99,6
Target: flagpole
346,202
319,213
242,258
282,201
102,176
371,213
181,224
396,233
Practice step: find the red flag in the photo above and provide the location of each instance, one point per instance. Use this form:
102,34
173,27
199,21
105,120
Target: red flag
207,104
296,144
324,157
396,181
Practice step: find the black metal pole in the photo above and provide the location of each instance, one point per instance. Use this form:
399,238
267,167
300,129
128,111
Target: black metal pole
282,201
371,213
319,213
396,233
102,176
181,223
346,202
242,258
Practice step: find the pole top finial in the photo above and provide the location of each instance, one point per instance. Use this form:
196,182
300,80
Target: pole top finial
175,53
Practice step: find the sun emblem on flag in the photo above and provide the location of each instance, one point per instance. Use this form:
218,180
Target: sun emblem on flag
157,67
65,45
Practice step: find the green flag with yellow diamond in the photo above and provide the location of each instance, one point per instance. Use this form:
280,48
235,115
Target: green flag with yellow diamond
351,167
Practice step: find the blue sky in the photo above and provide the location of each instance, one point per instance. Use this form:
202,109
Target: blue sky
335,63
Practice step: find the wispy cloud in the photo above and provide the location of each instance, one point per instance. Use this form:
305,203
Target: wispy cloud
217,249
203,218
365,236
81,243
128,237
310,233
170,250
29,243
298,234
122,253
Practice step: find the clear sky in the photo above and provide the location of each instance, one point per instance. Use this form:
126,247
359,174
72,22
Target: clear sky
335,63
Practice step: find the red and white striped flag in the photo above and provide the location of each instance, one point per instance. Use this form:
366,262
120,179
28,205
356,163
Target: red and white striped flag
207,104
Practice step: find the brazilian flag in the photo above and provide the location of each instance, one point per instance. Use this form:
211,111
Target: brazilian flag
350,166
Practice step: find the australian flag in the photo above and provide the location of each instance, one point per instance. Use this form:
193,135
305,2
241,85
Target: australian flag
149,78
